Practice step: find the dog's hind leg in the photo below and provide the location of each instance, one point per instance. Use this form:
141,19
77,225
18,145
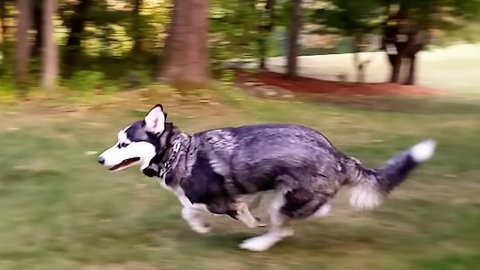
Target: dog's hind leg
295,204
278,229
252,202
244,215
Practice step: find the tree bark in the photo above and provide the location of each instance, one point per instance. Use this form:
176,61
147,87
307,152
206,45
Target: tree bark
396,64
77,26
22,45
294,31
359,64
185,61
50,50
37,26
138,36
3,15
266,31
262,49
411,72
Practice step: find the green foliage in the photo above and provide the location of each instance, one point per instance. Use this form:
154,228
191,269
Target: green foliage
85,80
6,85
236,28
349,18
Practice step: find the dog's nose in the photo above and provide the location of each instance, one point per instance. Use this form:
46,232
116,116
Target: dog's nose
101,160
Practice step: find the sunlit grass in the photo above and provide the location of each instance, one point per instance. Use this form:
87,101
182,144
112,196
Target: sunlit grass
60,210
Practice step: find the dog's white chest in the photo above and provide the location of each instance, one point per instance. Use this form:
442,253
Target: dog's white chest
178,191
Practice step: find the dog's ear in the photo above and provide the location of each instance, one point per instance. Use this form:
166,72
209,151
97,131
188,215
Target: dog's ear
155,120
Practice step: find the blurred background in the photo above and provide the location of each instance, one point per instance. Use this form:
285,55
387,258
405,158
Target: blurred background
374,76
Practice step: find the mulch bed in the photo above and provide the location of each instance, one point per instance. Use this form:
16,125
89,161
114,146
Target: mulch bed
315,86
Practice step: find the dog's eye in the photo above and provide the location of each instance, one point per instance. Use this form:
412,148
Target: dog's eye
121,145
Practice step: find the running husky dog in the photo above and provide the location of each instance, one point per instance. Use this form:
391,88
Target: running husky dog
225,170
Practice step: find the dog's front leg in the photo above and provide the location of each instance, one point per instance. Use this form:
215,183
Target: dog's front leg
193,214
194,218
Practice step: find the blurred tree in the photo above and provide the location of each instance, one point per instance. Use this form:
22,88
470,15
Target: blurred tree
407,30
37,16
49,47
265,30
22,44
76,24
185,61
355,19
137,29
3,15
405,25
293,36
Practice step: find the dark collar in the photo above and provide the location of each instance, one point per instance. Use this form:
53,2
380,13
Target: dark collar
168,160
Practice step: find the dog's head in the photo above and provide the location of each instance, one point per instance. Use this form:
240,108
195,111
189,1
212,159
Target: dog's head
137,143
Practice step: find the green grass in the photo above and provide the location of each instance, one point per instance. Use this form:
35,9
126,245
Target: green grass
60,210
453,69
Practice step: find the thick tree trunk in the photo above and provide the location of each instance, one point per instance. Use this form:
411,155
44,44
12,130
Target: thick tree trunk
185,61
3,15
138,36
411,71
37,26
396,67
22,45
77,26
294,31
50,50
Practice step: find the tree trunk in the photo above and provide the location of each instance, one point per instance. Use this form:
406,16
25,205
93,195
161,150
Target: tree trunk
3,49
137,29
411,71
395,64
77,27
267,30
50,50
3,15
262,48
22,45
37,26
185,61
294,31
359,64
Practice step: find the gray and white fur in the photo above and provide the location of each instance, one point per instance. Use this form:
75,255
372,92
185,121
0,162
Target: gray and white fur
225,171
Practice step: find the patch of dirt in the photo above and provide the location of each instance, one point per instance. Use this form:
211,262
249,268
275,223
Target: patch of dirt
265,82
126,266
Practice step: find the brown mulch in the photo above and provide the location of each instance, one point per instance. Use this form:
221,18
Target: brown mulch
316,86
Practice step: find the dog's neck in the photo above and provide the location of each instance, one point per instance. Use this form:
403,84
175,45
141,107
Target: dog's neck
167,141
170,142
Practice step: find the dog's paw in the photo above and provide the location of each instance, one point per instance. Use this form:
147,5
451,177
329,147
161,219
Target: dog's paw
202,229
287,232
260,224
259,243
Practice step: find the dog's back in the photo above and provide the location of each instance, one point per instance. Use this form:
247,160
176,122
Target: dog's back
262,157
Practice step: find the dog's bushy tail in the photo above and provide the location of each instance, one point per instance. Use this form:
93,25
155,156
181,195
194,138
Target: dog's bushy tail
370,186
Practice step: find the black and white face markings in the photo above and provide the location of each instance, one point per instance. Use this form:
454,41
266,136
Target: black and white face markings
136,144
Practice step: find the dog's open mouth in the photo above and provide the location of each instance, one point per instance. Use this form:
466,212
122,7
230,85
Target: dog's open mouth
124,163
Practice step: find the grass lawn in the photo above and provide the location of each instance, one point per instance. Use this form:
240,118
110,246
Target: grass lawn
59,209
455,69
